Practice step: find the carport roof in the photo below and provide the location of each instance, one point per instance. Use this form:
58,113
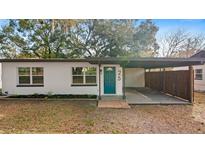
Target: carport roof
126,62
153,62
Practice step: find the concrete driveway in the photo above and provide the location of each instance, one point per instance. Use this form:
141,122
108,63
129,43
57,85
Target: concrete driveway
148,96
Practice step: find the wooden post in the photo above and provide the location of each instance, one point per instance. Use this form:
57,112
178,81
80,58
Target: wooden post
191,74
99,97
145,77
161,79
149,81
123,85
164,83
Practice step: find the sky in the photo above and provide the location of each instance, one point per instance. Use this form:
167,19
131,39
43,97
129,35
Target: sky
194,26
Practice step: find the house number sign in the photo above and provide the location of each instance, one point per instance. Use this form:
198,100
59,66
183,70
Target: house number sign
119,72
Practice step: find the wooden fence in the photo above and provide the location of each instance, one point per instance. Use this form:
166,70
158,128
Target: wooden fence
176,83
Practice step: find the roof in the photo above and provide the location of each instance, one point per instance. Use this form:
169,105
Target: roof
126,62
199,54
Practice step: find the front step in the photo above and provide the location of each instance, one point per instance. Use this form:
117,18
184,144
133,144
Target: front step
112,98
115,104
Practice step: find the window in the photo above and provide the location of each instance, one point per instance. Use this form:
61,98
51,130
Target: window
24,75
84,75
30,76
37,75
90,75
77,75
198,74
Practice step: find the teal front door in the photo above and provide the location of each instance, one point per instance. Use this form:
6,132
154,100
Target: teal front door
109,80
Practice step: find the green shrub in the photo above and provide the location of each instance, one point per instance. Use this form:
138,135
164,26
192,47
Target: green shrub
60,96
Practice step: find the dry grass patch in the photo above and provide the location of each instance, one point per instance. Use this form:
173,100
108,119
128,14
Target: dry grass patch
85,117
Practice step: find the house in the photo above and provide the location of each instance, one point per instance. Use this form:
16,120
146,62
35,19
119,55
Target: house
97,76
199,72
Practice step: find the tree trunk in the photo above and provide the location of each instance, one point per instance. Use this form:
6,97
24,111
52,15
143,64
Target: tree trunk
52,25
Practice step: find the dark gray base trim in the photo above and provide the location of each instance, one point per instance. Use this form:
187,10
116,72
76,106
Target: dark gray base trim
43,99
29,85
80,85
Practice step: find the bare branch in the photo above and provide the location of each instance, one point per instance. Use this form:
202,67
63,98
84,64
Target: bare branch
180,44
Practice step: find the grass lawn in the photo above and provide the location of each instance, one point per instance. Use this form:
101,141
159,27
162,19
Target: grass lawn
85,117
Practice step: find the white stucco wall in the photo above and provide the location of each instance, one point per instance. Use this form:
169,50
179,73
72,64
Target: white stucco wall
57,78
199,85
119,79
134,77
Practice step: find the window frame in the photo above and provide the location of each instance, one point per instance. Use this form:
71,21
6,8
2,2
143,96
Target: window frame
84,76
78,75
31,84
201,73
24,75
37,75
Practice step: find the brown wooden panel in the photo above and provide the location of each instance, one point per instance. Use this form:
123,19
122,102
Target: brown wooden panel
176,83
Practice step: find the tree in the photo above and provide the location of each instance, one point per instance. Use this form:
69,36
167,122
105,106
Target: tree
145,43
181,44
10,42
33,38
77,38
111,38
64,24
100,38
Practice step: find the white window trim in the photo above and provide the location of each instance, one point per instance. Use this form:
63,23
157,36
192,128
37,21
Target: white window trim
84,76
30,75
199,74
23,75
36,75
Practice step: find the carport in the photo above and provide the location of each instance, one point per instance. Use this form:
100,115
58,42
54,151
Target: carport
161,85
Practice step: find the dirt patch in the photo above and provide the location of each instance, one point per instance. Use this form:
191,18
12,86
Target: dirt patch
85,117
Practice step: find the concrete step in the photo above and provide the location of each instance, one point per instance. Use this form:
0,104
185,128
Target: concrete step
119,98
